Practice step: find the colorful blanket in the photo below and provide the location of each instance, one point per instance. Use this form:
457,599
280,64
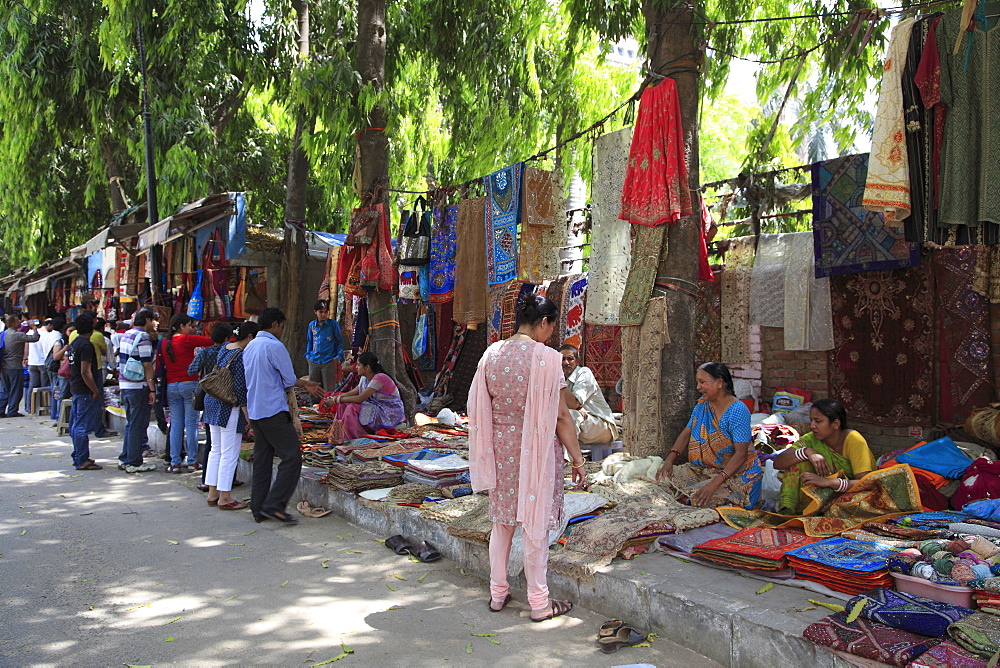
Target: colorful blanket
979,633
470,258
501,217
877,496
869,640
909,612
948,654
761,548
444,235
849,238
603,352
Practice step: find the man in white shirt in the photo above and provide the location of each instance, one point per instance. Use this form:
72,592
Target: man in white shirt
38,352
587,405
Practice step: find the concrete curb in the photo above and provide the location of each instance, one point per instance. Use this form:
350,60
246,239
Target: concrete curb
714,613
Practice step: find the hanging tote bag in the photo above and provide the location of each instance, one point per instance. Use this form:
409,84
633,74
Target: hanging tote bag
415,248
196,305
218,383
364,221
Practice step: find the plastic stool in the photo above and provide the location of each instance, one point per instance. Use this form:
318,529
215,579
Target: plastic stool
62,428
41,400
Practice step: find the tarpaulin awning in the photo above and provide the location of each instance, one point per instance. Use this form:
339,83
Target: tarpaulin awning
155,234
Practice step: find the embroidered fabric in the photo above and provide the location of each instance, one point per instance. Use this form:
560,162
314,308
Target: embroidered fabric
642,348
611,245
808,313
888,185
767,282
470,258
442,265
736,300
571,311
501,216
544,204
648,244
539,248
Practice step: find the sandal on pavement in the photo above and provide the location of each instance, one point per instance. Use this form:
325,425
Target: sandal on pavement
309,511
280,516
232,505
212,502
89,465
191,468
425,552
398,545
503,605
609,628
559,608
173,469
626,636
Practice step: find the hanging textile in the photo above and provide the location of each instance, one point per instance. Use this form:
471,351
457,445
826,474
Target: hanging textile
539,250
574,298
887,188
610,242
448,361
544,205
443,251
970,180
425,339
501,320
648,243
445,326
848,238
603,353
986,277
501,216
882,367
965,353
465,367
656,188
808,316
918,119
767,281
704,234
708,322
555,293
642,348
735,348
470,262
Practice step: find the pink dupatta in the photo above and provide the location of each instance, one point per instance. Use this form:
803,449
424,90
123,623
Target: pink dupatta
541,409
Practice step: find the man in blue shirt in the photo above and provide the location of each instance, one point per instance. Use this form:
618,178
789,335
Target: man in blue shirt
270,376
324,346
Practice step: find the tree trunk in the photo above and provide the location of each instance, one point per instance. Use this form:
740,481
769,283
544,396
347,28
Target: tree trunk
295,293
115,188
671,40
374,150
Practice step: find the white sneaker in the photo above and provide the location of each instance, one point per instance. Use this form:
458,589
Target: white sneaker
141,468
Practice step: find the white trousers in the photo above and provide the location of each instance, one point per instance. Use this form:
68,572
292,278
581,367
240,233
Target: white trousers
225,453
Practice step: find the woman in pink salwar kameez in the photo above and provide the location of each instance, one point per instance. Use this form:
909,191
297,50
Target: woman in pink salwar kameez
519,426
373,405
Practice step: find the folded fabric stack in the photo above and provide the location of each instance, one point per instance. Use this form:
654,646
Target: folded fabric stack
844,565
869,640
403,458
347,448
948,654
318,458
908,612
640,542
930,521
441,472
986,594
356,478
978,633
948,562
382,450
758,548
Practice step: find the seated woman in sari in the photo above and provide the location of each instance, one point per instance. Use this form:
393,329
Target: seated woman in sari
830,448
722,469
373,405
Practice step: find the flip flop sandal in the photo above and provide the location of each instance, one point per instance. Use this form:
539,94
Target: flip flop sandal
232,505
609,628
625,637
425,552
89,466
212,502
173,469
559,608
309,511
280,516
489,604
398,545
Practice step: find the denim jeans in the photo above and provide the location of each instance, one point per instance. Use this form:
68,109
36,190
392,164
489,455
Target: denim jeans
63,393
81,418
183,422
137,412
38,377
11,390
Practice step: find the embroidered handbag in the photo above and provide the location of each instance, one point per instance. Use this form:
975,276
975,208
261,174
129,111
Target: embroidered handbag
218,383
415,248
364,221
196,306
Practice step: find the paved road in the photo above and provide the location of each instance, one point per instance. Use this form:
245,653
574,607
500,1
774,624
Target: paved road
104,568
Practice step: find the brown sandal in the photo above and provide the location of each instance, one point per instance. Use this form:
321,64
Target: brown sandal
89,465
232,505
503,605
559,608
212,502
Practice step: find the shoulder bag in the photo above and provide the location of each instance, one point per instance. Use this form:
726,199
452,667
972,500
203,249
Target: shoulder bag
415,248
219,384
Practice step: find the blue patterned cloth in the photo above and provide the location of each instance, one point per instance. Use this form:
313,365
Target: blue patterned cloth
443,244
217,412
909,612
501,217
862,556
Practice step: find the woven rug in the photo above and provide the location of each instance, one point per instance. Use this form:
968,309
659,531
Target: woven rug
501,216
735,319
869,640
761,548
611,243
909,612
470,259
849,238
882,366
444,236
875,497
708,321
448,511
602,345
642,350
966,362
948,654
648,245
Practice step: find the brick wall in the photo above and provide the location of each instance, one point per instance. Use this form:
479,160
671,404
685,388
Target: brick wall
995,333
752,370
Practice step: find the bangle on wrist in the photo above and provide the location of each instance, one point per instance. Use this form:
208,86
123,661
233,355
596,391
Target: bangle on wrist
842,485
725,475
801,454
578,466
673,452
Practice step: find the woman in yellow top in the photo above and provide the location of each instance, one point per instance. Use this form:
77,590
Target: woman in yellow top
830,448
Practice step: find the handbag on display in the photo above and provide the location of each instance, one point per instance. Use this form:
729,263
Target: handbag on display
415,248
365,220
196,305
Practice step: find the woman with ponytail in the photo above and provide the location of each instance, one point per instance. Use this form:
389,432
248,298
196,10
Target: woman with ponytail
373,405
177,353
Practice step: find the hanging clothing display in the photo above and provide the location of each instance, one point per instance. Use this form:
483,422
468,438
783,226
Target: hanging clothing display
501,217
555,292
887,188
656,188
499,320
808,316
735,346
443,253
642,349
767,281
602,353
470,259
918,118
648,244
849,238
610,242
571,311
708,322
543,232
544,204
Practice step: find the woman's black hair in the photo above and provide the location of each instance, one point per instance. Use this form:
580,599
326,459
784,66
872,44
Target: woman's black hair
832,410
246,330
221,331
175,325
370,359
719,371
535,308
